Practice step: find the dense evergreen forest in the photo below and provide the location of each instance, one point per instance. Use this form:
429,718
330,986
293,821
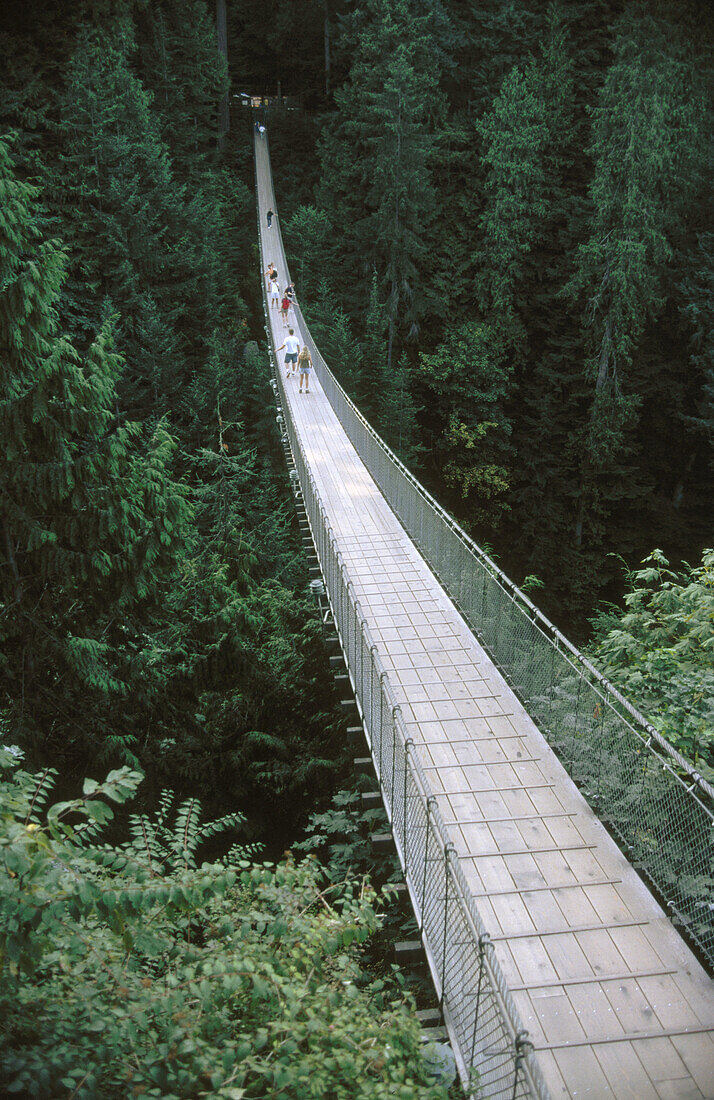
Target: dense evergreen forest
499,219
509,233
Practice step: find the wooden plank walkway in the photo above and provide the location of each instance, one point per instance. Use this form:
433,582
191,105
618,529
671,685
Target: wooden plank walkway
615,1002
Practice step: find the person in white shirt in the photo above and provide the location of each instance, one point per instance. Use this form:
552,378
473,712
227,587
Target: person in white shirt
292,347
275,293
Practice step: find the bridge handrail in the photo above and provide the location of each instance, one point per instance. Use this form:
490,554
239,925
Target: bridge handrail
489,1041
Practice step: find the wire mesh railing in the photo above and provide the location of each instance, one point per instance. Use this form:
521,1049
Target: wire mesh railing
654,802
492,1049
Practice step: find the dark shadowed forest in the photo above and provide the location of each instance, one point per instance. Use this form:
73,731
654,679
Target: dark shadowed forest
499,219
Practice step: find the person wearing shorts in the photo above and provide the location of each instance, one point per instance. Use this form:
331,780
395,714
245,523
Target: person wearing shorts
274,293
304,365
284,308
292,347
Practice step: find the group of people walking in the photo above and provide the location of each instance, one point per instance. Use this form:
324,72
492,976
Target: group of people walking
296,359
274,294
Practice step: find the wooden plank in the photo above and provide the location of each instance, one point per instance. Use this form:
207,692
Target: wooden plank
568,958
494,820
635,1009
627,1076
666,1069
595,1011
634,945
512,915
557,1020
697,1053
672,1007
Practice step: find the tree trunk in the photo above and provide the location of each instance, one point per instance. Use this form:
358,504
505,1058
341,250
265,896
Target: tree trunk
678,494
10,552
327,48
579,522
224,117
604,361
394,303
603,372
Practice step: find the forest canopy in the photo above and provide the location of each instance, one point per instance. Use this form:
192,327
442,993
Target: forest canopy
499,216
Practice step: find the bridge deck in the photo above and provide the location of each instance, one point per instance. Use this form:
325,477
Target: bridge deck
615,1003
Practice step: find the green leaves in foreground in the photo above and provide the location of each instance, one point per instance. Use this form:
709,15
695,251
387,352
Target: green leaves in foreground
126,970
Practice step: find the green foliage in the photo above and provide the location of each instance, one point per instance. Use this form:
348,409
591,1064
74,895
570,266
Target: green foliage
153,607
650,152
340,837
567,147
660,652
185,72
468,378
375,162
91,520
126,970
307,235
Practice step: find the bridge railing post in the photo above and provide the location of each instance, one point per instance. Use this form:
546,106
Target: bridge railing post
407,748
448,849
430,803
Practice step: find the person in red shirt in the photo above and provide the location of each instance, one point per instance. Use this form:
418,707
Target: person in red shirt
284,308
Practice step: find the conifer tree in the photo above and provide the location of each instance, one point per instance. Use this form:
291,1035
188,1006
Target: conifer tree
375,163
179,62
331,329
469,386
374,375
481,370
311,247
697,307
648,154
397,414
155,248
89,526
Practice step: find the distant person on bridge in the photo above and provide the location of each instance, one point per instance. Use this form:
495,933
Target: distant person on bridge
274,292
304,365
271,215
261,130
271,273
292,347
290,292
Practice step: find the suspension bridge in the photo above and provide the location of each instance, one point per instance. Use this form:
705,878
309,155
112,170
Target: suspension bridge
553,846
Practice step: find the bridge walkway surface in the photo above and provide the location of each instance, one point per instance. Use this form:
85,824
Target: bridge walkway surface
614,1002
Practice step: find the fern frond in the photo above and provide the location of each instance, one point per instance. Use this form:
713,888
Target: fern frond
44,782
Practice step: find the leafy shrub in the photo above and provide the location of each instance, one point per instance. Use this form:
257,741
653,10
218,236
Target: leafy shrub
130,970
660,652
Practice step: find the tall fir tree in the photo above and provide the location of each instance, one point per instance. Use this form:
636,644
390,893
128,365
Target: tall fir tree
375,164
648,153
89,523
